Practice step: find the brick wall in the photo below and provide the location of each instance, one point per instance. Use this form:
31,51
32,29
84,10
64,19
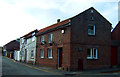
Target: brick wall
60,40
80,39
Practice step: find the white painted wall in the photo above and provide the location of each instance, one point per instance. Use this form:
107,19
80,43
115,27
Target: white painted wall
17,55
29,46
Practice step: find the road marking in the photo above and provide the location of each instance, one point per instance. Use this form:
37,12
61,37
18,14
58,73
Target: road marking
36,67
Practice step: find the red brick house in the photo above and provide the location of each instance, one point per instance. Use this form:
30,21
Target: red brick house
115,47
78,43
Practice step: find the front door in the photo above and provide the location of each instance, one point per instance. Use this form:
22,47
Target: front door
114,56
60,57
80,64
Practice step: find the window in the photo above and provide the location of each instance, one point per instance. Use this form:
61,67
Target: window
50,53
32,54
41,53
25,41
91,11
42,39
50,37
92,18
22,40
91,29
92,53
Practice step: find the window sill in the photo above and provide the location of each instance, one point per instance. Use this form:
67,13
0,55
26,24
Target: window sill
42,57
91,34
91,19
50,57
32,58
92,58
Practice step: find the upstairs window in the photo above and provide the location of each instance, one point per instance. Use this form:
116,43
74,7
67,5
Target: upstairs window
33,36
42,39
22,40
91,18
26,41
41,53
92,53
91,29
50,38
50,53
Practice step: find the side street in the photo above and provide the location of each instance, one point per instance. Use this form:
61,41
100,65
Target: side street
83,45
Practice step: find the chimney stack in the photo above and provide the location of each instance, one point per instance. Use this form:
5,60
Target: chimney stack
58,20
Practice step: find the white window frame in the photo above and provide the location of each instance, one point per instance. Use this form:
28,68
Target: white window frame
89,33
41,53
50,38
42,39
92,55
22,40
32,52
50,53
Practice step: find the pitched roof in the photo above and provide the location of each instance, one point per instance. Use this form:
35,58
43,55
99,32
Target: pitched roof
116,32
65,21
53,26
30,33
95,10
12,45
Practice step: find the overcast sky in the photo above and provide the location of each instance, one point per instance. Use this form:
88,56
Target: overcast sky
19,17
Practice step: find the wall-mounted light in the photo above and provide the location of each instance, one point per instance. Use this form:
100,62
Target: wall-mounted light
62,31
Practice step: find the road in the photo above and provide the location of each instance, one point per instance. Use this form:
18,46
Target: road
9,67
12,68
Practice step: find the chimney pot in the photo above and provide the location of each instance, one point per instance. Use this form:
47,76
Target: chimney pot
58,20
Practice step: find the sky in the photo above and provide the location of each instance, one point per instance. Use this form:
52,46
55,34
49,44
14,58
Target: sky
19,17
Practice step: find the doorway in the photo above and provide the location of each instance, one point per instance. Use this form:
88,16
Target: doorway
25,55
113,55
60,57
80,64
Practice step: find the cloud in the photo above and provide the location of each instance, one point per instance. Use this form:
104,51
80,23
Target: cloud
14,22
19,17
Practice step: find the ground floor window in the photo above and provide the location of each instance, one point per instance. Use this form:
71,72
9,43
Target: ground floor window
92,53
41,53
50,53
32,54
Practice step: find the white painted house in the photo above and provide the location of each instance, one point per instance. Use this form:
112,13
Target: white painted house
17,55
28,47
